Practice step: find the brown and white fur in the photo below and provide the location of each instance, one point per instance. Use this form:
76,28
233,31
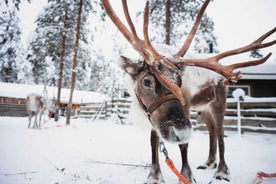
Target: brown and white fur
36,105
203,91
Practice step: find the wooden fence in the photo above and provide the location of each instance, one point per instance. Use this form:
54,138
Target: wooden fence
15,107
105,110
255,117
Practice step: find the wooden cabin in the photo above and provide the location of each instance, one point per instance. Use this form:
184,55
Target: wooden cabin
257,81
13,98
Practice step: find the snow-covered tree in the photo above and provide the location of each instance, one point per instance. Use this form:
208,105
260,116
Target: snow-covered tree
256,54
75,62
54,39
11,49
172,21
14,2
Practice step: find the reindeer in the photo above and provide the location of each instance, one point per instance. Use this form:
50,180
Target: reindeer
166,96
36,105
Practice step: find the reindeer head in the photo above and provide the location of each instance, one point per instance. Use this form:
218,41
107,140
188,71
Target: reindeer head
157,80
164,110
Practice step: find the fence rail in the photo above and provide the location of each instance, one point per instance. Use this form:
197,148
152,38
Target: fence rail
13,109
257,116
105,110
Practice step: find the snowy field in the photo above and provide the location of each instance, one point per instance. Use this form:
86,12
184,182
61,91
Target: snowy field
103,152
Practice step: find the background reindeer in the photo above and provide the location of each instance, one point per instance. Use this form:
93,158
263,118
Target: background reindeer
36,105
166,96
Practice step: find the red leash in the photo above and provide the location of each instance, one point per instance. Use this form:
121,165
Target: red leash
171,165
175,171
261,175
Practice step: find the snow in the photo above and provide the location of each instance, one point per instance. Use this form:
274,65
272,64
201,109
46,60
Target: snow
253,99
22,90
104,152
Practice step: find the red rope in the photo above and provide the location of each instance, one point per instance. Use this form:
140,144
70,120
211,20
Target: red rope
50,114
261,175
176,172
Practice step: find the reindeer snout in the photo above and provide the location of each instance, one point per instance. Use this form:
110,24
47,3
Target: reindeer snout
178,132
180,136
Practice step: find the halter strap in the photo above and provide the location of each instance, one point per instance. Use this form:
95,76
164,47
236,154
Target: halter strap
160,101
149,110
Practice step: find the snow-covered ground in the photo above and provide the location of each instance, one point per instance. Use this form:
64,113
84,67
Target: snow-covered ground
103,152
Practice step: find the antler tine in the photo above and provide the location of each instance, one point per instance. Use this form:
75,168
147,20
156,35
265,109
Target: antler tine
262,38
131,37
255,45
137,43
161,77
129,21
146,34
227,71
192,33
115,19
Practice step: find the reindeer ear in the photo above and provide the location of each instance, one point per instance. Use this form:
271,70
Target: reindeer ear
132,67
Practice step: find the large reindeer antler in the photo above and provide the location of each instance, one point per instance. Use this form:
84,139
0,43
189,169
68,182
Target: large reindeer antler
153,58
143,47
192,33
212,63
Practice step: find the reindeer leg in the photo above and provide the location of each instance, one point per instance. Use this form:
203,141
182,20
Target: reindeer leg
30,119
40,116
186,170
219,110
211,161
155,176
35,123
223,171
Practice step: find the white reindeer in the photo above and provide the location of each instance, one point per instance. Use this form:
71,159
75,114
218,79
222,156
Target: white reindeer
36,105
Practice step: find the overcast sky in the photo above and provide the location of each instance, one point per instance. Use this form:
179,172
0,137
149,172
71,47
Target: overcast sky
237,22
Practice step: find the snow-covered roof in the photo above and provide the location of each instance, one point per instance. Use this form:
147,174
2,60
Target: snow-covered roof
263,71
22,90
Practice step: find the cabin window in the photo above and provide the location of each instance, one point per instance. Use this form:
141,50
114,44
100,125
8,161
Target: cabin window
245,88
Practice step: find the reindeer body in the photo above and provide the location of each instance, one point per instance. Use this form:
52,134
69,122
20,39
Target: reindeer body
33,105
204,91
37,106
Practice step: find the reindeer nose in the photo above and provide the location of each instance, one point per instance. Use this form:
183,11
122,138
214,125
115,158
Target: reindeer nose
182,124
180,136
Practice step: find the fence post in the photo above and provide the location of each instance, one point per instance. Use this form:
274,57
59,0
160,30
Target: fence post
238,95
239,115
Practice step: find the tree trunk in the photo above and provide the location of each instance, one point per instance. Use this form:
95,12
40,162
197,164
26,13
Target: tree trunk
73,77
61,64
168,22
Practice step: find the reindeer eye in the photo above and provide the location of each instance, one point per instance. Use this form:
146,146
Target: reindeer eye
146,82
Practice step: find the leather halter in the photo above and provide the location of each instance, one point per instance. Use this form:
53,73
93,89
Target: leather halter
152,107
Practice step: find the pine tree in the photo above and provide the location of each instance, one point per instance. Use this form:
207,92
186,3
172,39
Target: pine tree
54,42
11,49
15,2
256,53
173,20
75,62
